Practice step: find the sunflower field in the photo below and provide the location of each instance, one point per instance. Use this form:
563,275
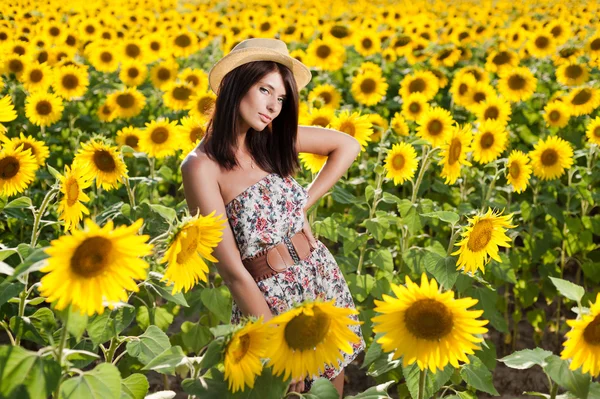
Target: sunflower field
467,229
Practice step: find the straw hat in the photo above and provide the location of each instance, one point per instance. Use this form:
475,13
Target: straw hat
258,49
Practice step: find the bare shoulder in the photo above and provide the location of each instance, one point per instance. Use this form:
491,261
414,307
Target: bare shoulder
198,165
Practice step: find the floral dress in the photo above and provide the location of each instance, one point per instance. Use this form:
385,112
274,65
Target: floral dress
260,217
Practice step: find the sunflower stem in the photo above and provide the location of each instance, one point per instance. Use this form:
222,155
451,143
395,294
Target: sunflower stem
376,196
424,166
114,345
151,164
489,190
452,239
38,216
554,391
10,336
562,254
129,192
61,346
422,374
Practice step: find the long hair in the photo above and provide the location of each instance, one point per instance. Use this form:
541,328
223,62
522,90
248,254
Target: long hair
273,150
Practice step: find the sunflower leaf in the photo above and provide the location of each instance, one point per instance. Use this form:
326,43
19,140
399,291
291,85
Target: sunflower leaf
526,358
102,382
572,380
376,392
478,376
433,382
19,366
150,344
162,290
322,388
166,361
134,387
568,289
444,216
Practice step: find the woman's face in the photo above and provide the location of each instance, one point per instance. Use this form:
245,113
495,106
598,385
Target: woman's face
262,103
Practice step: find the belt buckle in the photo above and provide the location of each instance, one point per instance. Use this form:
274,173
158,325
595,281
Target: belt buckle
291,249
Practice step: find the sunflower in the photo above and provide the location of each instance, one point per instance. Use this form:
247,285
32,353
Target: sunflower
460,89
103,58
366,43
192,243
95,265
312,162
326,54
318,117
541,44
105,113
481,240
489,141
582,345
572,73
129,136
399,125
131,49
325,95
37,77
7,109
478,94
177,95
193,129
494,108
423,325
201,104
243,355
423,82
517,84
401,163
164,73
441,76
556,114
38,148
369,88
43,109
550,158
583,101
195,77
182,43
154,46
102,162
70,81
435,126
354,124
15,64
447,57
454,152
500,60
592,46
17,170
380,125
305,338
160,138
415,106
518,170
593,130
71,208
133,73
126,103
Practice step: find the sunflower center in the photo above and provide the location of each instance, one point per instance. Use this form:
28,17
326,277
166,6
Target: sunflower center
454,151
90,29
596,132
205,104
42,56
367,43
542,42
591,334
339,31
189,244
265,26
435,127
132,141
463,88
480,235
36,76
368,86
43,108
348,128
183,41
549,157
196,134
70,82
398,161
106,57
516,82
514,170
491,113
428,319
9,167
72,189
27,146
193,80
15,66
556,31
595,44
133,72
582,97
487,140
574,71
320,121
444,54
479,97
132,50
164,74
501,58
323,51
326,97
106,110
91,257
239,347
417,86
155,46
104,161
415,108
554,115
125,100
54,31
159,135
182,93
305,332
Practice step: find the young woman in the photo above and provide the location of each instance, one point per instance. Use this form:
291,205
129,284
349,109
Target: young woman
243,167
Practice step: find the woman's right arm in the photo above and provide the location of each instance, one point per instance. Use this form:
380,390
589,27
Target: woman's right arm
202,194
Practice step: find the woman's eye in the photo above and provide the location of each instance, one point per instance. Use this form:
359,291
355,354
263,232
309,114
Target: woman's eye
262,88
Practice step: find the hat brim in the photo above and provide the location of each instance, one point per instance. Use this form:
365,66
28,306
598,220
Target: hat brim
236,58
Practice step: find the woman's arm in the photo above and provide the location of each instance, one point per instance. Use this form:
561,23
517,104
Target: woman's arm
202,193
341,150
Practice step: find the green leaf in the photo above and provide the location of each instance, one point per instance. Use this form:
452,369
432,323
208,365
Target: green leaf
444,216
19,366
165,292
433,382
167,213
217,302
195,336
150,344
383,259
569,290
102,382
503,270
444,269
322,388
9,290
342,196
487,302
109,324
166,362
134,387
162,317
77,321
572,380
31,260
21,202
360,286
327,228
213,353
377,228
390,198
376,392
478,376
412,220
5,253
369,192
526,358
55,173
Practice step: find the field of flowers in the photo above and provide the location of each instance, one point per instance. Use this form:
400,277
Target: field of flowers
468,228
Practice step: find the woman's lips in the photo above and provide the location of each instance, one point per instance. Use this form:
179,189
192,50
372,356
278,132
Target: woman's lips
264,117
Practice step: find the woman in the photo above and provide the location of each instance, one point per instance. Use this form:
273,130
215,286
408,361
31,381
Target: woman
268,257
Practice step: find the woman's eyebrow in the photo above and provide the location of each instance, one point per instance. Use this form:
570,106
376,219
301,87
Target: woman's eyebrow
272,88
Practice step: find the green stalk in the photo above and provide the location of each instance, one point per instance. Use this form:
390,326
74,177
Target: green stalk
554,391
562,255
61,346
422,383
424,165
129,192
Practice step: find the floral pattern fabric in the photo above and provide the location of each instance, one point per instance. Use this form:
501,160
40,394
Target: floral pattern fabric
260,217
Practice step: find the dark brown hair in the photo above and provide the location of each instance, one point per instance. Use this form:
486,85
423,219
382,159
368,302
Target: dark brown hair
274,151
